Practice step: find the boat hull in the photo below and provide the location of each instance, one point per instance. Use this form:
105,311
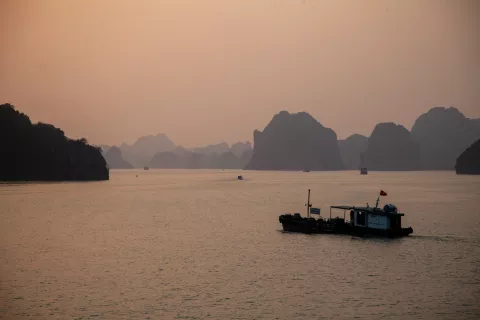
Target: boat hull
297,224
389,233
336,226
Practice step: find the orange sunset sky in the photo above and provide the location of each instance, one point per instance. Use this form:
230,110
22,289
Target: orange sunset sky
214,70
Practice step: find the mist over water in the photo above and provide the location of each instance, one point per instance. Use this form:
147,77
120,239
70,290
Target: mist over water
202,245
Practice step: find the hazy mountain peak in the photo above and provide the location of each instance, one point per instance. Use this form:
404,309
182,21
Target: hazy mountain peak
441,114
115,159
239,148
351,150
443,134
140,153
218,148
294,142
356,136
298,119
390,147
389,125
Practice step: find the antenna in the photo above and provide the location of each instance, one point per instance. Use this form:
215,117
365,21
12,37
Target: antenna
308,204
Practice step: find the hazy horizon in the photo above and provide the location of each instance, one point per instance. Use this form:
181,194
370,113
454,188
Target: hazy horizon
213,71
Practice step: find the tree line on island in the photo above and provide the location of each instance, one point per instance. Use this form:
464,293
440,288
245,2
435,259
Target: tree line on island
441,139
42,152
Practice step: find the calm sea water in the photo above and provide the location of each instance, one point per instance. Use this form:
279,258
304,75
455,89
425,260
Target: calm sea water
201,245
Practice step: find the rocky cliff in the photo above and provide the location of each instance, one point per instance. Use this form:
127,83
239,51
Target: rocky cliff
295,142
390,147
442,134
351,150
42,152
114,159
469,161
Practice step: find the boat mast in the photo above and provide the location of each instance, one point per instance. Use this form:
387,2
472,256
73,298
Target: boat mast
308,204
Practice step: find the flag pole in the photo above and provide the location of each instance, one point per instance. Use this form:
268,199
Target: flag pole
376,205
308,204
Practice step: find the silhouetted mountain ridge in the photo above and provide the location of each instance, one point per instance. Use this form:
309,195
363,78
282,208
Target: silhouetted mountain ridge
142,151
351,150
184,159
42,152
442,134
469,161
239,148
294,142
115,160
390,147
298,141
219,148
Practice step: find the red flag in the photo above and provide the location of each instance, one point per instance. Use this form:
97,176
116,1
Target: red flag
383,193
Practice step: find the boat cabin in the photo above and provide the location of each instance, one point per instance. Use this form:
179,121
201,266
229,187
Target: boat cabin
371,217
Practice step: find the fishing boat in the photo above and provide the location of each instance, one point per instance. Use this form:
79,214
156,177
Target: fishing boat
146,168
363,171
240,178
362,221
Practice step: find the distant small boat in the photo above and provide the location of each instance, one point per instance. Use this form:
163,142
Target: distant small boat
239,178
146,168
363,171
306,170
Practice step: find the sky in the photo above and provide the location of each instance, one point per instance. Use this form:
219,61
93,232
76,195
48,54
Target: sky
214,70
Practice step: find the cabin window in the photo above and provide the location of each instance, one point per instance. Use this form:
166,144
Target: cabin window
361,218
